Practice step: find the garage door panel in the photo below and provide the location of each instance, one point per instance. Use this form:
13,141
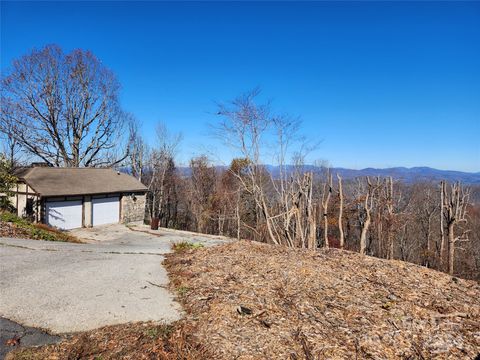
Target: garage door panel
64,214
105,211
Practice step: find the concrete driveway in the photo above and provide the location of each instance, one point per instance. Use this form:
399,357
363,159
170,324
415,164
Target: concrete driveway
117,277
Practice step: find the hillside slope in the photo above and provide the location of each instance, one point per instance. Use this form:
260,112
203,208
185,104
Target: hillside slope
247,300
328,304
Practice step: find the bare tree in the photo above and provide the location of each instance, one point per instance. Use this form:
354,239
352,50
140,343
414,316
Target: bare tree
283,201
426,207
138,149
340,213
159,164
242,126
454,209
368,203
11,147
203,181
63,108
326,194
389,202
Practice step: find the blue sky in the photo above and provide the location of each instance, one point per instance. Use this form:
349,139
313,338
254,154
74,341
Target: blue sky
380,83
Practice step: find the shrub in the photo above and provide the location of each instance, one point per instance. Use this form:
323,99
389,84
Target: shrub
37,231
186,245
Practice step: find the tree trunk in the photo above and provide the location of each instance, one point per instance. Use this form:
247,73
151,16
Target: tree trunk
442,228
363,236
325,200
429,248
366,225
237,213
451,248
340,213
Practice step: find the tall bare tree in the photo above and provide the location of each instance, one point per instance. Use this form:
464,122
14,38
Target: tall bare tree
282,200
159,164
454,210
340,212
326,194
63,108
138,149
368,204
11,147
242,126
389,203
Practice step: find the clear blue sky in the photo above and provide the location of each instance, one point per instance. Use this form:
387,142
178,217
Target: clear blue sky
381,83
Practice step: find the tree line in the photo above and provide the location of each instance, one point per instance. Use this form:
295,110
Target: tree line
64,109
430,224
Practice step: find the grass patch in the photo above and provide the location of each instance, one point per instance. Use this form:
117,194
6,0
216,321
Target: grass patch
186,245
18,227
183,290
163,331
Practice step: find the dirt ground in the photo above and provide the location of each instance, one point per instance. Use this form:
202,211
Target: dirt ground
247,300
329,304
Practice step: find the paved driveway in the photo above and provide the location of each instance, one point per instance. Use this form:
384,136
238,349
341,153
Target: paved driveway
116,278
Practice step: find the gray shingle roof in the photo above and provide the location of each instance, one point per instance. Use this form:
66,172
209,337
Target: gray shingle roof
49,181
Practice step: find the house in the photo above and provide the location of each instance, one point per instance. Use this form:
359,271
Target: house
69,198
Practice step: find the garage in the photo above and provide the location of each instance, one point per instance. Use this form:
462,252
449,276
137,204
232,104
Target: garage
64,214
69,198
105,210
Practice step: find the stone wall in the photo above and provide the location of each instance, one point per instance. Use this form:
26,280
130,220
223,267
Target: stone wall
133,208
87,211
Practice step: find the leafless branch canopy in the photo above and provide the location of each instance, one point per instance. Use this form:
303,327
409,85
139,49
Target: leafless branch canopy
63,108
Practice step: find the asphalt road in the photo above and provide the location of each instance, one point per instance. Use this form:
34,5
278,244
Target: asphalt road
65,287
13,335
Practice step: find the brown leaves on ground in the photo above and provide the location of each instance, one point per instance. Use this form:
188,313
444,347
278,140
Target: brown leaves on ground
12,341
329,304
127,341
247,300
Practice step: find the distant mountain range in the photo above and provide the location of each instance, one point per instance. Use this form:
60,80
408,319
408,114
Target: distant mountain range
411,175
408,175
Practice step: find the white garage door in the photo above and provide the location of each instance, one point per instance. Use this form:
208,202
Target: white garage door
105,211
64,214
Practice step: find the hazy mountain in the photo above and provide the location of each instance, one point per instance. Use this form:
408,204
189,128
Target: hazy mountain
408,175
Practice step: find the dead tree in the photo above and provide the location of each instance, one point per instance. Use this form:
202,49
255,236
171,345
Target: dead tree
282,202
454,210
368,202
427,206
340,212
326,194
442,226
311,216
303,209
390,215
